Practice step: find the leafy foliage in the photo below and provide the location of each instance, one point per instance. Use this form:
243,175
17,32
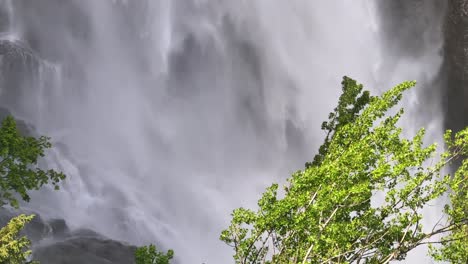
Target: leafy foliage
455,246
150,255
18,166
350,104
14,249
19,174
330,214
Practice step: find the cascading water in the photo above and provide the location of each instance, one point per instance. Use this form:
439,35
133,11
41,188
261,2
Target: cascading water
169,114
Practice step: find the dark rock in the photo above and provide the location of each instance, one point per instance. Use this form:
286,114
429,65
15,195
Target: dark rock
85,233
456,65
21,72
18,65
54,243
85,250
59,228
402,20
432,20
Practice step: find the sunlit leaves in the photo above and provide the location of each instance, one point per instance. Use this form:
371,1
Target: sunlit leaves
455,246
151,255
19,173
329,213
13,248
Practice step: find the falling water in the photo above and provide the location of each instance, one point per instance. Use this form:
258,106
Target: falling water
169,114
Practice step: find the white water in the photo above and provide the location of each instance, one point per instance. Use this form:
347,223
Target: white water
176,112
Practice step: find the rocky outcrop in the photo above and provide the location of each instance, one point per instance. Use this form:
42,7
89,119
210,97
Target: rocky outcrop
18,65
78,250
456,65
411,27
54,243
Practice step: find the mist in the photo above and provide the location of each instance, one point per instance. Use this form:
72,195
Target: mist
167,115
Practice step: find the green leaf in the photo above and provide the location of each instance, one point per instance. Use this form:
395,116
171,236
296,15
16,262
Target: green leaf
327,214
150,255
19,170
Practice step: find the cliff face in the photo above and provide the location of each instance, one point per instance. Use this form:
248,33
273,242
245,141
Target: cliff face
54,243
456,65
412,27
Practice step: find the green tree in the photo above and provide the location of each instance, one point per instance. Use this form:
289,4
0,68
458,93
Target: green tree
455,246
19,173
329,212
13,248
150,255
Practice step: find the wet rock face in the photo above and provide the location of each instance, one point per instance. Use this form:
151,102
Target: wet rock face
23,75
410,27
78,250
45,20
54,243
456,64
18,64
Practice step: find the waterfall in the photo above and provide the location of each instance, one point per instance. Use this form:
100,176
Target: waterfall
169,114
